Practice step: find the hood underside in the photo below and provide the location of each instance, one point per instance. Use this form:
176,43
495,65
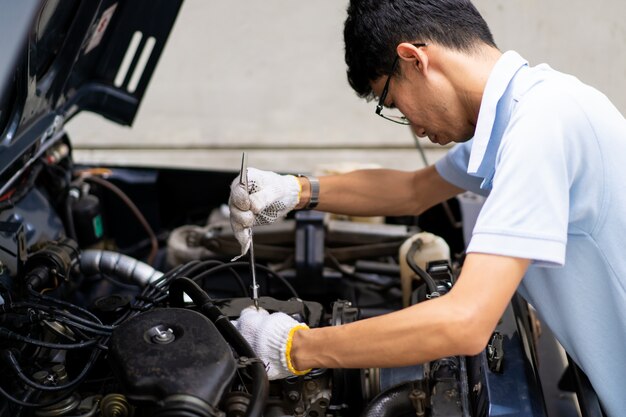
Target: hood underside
65,56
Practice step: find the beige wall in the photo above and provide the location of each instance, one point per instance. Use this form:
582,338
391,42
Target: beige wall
584,38
268,77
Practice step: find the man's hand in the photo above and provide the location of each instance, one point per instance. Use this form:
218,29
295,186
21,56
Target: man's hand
269,197
270,336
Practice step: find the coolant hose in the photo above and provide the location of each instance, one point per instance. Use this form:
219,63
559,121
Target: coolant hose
394,402
430,282
260,385
94,262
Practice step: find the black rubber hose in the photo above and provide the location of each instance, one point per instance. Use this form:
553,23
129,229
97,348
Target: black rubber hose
394,402
430,282
69,218
260,385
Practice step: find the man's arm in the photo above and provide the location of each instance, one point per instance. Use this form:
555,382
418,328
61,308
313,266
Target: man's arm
380,192
458,323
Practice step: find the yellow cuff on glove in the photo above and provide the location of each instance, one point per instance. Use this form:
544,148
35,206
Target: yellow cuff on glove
290,366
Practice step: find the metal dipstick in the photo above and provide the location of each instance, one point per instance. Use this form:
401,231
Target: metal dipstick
243,181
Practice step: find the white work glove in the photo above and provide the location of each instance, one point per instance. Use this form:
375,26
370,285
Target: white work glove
269,196
270,336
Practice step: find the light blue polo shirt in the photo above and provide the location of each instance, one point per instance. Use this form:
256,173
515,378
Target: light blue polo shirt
550,154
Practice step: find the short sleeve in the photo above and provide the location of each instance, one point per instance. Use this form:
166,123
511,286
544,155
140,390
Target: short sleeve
527,212
453,168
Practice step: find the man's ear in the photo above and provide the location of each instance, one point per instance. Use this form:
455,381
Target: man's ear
416,55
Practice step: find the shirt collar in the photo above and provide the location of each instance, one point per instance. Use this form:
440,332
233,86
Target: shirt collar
501,75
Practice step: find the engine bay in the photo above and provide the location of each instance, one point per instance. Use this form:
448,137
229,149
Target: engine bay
118,291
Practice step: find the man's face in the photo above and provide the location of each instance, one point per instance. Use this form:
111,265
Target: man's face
431,105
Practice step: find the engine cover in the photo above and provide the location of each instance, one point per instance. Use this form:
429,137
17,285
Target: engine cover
172,352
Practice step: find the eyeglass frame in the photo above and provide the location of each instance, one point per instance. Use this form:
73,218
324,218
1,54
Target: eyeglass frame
383,95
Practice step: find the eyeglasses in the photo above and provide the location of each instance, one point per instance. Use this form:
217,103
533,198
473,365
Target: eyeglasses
396,118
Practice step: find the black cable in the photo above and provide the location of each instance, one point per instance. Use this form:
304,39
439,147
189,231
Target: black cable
263,268
83,321
158,286
182,269
242,286
76,322
204,264
21,403
92,360
10,335
64,304
81,326
201,265
153,292
11,360
54,311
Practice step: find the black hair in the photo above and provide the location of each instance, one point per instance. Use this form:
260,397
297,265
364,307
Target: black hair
374,28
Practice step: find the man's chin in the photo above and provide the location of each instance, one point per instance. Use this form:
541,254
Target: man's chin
444,140
463,138
440,140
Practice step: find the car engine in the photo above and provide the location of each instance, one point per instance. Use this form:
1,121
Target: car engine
117,289
117,296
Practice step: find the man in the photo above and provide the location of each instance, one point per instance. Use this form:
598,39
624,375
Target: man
548,151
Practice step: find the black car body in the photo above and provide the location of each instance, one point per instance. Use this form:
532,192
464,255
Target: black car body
95,260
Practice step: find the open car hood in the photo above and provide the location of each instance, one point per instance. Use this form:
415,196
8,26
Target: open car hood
64,56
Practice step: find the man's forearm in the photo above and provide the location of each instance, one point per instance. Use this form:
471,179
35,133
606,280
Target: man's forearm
396,339
380,192
458,323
